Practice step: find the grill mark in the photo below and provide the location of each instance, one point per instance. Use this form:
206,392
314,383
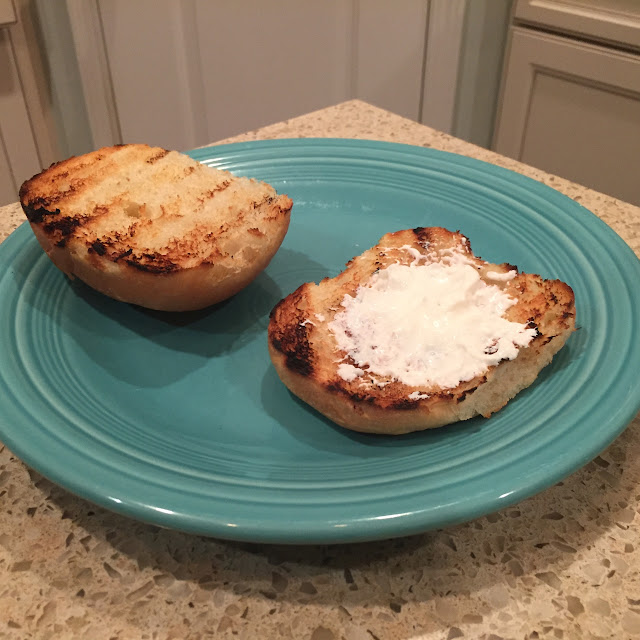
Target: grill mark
37,214
211,193
124,254
98,247
63,225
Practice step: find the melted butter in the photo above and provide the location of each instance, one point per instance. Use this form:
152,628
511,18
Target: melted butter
427,325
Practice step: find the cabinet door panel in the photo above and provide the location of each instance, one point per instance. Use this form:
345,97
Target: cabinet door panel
574,110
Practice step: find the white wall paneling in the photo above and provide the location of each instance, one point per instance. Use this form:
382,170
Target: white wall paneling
390,52
89,42
18,152
266,61
182,74
186,73
442,64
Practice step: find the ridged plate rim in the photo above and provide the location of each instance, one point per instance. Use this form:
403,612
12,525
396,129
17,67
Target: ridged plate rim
377,513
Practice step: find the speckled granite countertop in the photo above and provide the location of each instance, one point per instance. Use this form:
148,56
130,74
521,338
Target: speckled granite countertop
564,564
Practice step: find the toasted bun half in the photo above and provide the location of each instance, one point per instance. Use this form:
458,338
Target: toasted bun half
154,227
306,355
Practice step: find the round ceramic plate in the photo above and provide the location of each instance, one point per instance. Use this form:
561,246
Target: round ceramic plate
180,419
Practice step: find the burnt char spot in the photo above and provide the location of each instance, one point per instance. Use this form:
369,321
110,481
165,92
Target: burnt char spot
99,248
152,263
532,325
549,339
404,404
289,336
63,225
157,156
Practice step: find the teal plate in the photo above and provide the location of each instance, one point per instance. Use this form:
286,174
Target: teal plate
180,420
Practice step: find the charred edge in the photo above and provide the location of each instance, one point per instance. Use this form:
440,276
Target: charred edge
37,214
423,234
158,156
63,225
59,163
152,263
463,396
267,200
297,352
42,205
275,309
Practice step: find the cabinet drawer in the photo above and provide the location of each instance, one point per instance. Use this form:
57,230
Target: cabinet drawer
614,21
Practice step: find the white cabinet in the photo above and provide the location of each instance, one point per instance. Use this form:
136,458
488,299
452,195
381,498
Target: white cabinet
572,107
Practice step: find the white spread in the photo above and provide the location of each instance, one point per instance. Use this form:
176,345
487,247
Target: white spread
435,324
348,372
501,277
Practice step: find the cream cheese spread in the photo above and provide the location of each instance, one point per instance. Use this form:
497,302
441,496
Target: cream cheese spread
501,277
427,325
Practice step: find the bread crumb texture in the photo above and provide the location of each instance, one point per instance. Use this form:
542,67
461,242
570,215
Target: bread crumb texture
135,208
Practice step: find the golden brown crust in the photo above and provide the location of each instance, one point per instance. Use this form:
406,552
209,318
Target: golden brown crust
154,227
304,352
